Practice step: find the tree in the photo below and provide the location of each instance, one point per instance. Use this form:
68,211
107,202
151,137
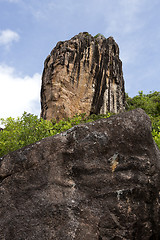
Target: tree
150,103
22,131
29,129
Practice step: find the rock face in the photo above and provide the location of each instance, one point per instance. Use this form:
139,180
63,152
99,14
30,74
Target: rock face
82,75
96,181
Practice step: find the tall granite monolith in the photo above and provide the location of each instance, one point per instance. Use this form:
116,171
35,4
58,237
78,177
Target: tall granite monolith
82,75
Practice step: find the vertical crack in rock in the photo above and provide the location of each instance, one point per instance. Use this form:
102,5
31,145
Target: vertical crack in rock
82,75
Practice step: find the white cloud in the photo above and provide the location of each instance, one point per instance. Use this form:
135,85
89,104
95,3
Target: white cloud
18,94
7,37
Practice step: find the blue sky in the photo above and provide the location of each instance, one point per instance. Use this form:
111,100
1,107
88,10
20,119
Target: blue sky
30,29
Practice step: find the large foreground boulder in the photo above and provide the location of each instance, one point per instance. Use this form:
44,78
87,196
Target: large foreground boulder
98,181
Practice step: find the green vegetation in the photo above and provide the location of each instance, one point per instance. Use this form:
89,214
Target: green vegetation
87,34
150,103
99,35
29,128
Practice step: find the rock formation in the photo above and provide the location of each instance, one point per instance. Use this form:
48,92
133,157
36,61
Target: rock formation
96,181
82,75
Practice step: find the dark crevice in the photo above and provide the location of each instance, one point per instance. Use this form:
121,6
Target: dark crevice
3,178
100,78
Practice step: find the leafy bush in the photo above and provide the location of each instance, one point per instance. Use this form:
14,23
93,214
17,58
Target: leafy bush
156,129
150,103
99,35
29,129
156,137
22,131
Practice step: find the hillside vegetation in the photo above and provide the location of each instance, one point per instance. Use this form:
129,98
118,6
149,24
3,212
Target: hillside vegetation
29,128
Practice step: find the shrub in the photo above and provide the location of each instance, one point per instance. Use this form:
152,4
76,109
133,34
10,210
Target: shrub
99,35
150,103
29,129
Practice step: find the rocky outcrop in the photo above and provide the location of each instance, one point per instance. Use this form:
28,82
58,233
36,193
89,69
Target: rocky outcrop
96,181
82,75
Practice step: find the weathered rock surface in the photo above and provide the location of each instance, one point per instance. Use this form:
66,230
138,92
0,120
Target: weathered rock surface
82,75
98,181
